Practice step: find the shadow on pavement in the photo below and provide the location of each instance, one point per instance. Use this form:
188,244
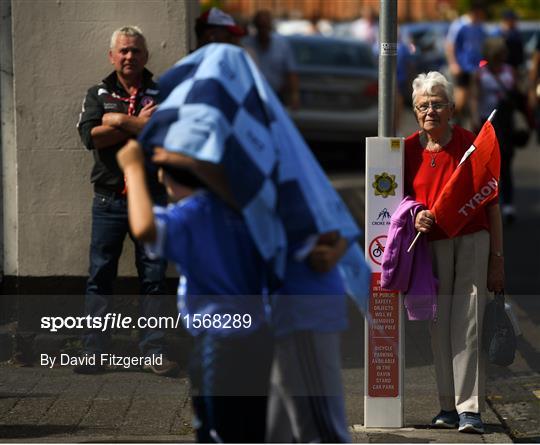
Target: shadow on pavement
18,395
394,438
30,431
529,352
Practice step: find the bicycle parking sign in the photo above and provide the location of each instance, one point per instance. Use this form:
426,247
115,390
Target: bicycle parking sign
384,327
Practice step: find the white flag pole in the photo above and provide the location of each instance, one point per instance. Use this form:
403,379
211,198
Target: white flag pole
414,241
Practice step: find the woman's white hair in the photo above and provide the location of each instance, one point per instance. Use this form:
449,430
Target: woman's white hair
426,83
130,31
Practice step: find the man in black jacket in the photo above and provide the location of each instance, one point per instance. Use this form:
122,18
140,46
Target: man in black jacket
114,111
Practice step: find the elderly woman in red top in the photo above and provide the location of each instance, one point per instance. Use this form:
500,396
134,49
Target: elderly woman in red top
467,266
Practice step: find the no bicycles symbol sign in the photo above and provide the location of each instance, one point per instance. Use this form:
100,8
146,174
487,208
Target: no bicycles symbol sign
376,249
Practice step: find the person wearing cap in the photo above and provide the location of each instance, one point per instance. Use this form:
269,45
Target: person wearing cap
216,26
112,112
275,59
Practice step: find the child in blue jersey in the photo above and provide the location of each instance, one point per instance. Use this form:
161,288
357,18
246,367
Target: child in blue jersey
219,294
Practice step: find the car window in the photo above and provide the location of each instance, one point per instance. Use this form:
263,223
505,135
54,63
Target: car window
332,54
425,38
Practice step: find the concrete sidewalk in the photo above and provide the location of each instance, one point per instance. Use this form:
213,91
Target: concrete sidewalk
55,405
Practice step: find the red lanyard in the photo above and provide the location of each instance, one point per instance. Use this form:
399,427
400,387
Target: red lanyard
132,101
131,112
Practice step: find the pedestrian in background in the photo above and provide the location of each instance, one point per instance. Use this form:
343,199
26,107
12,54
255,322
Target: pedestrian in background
496,87
508,30
464,52
114,111
275,59
534,86
366,28
467,266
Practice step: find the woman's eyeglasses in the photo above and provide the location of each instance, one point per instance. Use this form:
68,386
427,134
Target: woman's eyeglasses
435,106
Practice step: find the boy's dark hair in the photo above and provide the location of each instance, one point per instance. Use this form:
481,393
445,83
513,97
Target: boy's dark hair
200,28
183,176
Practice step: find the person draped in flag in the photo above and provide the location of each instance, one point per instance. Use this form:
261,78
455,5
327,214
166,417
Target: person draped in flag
469,264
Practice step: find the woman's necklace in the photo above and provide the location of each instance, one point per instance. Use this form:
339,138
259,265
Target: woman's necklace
433,155
434,147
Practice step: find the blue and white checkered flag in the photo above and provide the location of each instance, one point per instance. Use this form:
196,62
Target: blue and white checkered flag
217,107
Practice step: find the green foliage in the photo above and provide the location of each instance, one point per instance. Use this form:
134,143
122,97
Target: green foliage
526,9
209,4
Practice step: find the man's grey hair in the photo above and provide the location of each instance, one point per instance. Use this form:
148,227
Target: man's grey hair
130,31
426,83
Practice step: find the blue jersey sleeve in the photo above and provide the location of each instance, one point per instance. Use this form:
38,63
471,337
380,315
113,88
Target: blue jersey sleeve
172,234
454,28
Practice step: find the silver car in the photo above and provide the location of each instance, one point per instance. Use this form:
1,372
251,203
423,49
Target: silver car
338,89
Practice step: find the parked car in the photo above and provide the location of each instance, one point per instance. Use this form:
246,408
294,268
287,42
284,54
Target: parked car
343,29
338,89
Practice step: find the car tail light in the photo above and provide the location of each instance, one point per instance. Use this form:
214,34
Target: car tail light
371,90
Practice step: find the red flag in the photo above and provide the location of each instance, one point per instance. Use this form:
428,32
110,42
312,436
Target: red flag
473,184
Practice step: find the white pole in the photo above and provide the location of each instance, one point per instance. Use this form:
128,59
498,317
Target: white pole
384,349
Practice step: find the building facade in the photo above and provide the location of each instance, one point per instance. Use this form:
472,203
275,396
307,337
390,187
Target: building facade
341,10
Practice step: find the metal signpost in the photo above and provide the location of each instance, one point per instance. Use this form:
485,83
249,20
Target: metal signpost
384,348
